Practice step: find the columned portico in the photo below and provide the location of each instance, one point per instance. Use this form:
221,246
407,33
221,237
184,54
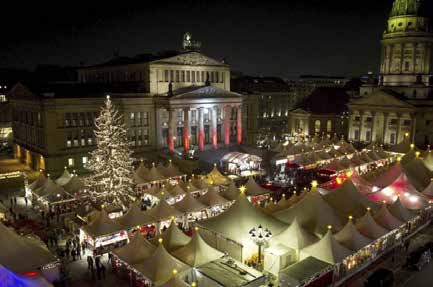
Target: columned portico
239,124
201,128
227,110
214,127
171,129
186,132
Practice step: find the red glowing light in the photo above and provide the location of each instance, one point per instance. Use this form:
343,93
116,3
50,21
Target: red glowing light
31,274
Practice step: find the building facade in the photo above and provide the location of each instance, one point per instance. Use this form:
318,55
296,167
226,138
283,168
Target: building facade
267,101
173,103
402,102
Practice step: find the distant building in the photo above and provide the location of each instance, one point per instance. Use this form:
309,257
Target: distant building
5,117
402,101
324,112
267,101
173,101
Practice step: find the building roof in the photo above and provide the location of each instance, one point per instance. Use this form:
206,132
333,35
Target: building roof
252,85
200,92
411,7
326,100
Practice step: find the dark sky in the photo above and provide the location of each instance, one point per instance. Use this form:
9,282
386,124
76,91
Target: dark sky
284,38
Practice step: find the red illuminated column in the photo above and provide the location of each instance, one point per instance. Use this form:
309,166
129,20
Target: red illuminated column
171,129
186,129
214,128
239,125
200,129
227,111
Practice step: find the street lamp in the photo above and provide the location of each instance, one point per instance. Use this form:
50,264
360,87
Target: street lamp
260,237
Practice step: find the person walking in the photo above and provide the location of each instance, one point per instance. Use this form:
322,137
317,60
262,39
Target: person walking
25,200
73,254
103,271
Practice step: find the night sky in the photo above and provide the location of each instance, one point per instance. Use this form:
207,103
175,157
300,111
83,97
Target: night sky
258,38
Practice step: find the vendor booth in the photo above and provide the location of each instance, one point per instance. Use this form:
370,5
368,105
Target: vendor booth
102,234
241,164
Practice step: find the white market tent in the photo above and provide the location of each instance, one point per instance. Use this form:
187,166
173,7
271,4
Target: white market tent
135,251
64,178
162,169
428,191
154,174
21,254
172,170
74,185
294,237
418,173
39,182
197,252
212,198
175,282
10,279
158,268
428,160
101,225
351,238
313,213
172,238
386,219
49,187
175,190
403,147
253,189
362,185
141,174
399,211
346,200
135,217
327,249
215,177
231,192
163,211
368,227
189,204
235,224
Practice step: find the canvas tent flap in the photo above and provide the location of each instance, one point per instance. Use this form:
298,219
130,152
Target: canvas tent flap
135,251
163,211
135,217
327,249
212,198
189,204
386,219
351,238
253,189
172,238
64,178
294,237
197,252
231,192
159,267
398,210
101,225
368,227
39,182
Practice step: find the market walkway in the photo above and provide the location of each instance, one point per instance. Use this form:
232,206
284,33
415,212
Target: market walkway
423,278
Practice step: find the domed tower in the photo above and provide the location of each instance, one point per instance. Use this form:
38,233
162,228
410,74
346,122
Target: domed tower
407,43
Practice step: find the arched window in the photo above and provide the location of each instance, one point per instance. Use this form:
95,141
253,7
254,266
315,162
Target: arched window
317,126
329,126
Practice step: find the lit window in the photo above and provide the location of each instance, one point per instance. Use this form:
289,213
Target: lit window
84,160
70,162
317,126
68,143
83,141
329,126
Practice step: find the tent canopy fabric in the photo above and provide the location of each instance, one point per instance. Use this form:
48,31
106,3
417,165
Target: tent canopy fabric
212,198
39,182
172,238
386,219
399,211
368,227
10,279
294,237
175,282
389,176
351,238
21,254
236,222
419,175
172,170
215,177
362,185
327,249
428,160
428,191
238,157
312,212
175,190
231,192
253,189
49,187
155,175
197,252
189,204
64,178
346,200
159,267
403,147
135,217
135,251
163,211
100,225
74,185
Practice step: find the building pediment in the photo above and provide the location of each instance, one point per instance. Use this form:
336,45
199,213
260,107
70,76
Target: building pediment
382,99
300,111
190,58
203,92
21,92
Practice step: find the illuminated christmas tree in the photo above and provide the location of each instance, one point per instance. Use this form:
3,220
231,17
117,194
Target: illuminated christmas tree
111,179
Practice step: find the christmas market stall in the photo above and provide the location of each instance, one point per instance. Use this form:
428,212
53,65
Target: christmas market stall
26,255
102,234
241,164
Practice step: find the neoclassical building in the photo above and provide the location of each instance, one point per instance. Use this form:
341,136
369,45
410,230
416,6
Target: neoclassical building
171,101
403,101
